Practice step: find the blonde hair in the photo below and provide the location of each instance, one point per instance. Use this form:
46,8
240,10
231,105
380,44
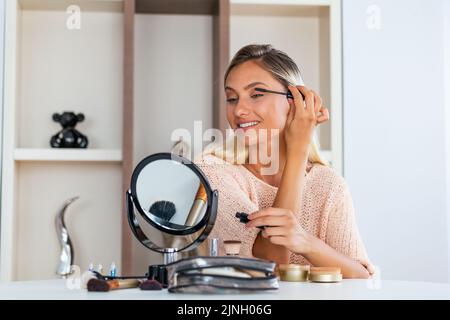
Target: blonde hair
282,68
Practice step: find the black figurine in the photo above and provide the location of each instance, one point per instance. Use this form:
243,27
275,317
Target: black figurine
69,137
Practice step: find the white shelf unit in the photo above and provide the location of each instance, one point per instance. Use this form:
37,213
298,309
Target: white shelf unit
50,68
310,32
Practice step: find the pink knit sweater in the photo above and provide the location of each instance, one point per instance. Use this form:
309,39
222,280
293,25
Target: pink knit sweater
327,210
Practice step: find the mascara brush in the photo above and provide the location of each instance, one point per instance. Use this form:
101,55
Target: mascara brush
287,94
243,218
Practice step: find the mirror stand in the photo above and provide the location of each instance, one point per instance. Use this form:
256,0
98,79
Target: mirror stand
170,255
172,195
159,272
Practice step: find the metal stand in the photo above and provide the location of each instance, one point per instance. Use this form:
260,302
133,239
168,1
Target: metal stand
170,255
159,272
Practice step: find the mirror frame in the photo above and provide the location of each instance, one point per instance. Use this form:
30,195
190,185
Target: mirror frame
207,221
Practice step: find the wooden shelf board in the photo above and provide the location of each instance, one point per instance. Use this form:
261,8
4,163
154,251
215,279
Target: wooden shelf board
95,155
62,5
203,7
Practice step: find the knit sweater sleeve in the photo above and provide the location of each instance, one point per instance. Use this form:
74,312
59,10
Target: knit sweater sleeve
342,232
235,195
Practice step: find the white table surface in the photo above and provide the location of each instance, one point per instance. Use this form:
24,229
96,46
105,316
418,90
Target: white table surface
347,289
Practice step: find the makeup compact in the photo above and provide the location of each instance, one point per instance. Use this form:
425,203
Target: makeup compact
325,274
293,272
303,273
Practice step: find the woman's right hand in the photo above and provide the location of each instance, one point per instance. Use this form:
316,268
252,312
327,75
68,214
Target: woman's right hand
302,118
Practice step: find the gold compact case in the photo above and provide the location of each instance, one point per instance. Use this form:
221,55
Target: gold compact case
325,274
293,272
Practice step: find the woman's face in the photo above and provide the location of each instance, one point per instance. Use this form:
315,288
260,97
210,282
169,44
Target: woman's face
252,111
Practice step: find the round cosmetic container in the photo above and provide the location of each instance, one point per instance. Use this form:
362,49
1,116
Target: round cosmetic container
325,274
232,247
293,272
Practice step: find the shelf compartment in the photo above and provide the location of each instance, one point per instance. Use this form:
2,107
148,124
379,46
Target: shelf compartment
69,70
93,221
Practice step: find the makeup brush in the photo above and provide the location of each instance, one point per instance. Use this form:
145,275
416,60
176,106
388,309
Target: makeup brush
287,94
198,206
163,209
150,284
100,285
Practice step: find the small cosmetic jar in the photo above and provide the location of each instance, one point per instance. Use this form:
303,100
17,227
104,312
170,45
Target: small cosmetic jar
293,272
325,274
232,247
214,247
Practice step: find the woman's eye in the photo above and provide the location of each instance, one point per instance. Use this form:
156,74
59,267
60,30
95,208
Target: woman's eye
257,95
231,100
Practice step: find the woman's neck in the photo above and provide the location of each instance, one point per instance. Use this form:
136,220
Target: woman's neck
275,178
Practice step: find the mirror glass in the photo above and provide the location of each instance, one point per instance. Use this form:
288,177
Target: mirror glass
171,194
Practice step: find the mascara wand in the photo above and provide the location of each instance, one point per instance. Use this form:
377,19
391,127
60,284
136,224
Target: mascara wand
287,94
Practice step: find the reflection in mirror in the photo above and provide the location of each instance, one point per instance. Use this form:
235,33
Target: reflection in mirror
166,240
171,194
177,208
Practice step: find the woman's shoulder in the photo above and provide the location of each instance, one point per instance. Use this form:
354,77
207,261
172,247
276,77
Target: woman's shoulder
212,162
325,177
217,168
208,159
231,180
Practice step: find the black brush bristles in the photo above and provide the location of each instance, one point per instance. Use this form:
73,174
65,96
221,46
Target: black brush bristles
150,285
98,285
163,209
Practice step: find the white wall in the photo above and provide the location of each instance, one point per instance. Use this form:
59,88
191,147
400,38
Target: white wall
447,108
394,135
274,24
54,58
173,79
2,42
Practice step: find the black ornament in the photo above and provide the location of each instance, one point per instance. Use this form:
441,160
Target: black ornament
68,137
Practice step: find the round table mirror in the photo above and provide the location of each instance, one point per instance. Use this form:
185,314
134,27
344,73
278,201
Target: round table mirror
176,205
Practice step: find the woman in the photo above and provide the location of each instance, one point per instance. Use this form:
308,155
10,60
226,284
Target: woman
305,206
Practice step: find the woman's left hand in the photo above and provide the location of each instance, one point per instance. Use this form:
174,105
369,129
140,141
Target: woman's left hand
282,228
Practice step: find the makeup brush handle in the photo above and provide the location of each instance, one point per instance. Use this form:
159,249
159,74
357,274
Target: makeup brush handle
123,284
